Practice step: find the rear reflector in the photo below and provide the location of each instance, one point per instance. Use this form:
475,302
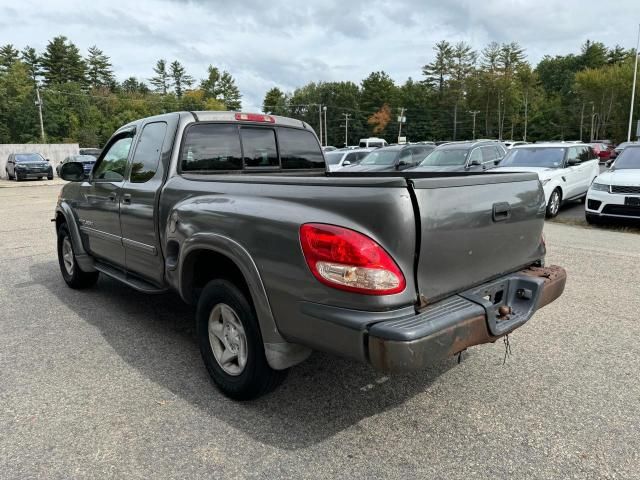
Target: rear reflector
255,117
345,259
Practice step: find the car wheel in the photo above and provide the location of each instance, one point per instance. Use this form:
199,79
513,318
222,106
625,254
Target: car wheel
231,343
553,207
16,177
50,176
71,273
592,219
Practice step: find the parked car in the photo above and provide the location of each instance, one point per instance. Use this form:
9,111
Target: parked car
87,161
94,152
343,158
513,143
329,148
602,151
372,142
389,159
620,148
566,170
22,166
463,156
280,259
616,192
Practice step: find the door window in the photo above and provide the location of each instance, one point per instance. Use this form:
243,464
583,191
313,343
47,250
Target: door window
476,156
489,154
112,166
147,155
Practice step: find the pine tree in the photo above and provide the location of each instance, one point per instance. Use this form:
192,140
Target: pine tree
180,78
229,92
62,63
275,102
99,73
8,56
161,81
132,85
31,59
438,71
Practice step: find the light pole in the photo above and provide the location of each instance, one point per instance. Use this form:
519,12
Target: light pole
326,136
346,128
633,88
474,113
39,104
401,120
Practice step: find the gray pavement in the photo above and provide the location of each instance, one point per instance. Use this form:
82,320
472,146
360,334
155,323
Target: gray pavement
108,383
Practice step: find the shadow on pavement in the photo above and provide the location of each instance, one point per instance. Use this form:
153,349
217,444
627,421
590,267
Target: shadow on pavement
156,336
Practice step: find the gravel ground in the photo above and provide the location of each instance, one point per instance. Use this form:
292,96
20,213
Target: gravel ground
109,383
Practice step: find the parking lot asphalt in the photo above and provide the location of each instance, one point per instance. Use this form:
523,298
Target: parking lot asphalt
108,383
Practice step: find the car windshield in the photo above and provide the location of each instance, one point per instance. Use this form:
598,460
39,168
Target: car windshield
534,157
380,157
29,157
333,158
628,159
83,158
445,157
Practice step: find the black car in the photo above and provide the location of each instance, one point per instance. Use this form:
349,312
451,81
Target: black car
463,156
22,166
87,161
396,157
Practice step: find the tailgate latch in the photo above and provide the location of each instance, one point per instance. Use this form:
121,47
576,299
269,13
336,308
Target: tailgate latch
501,211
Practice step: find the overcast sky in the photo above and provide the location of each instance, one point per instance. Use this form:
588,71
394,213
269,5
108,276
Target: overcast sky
266,43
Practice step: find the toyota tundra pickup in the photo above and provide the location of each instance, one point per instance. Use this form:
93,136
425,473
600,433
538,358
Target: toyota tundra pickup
237,213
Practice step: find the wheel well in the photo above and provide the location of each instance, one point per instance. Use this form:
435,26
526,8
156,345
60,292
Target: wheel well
202,266
60,219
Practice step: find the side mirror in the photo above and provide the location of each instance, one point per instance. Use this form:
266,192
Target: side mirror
497,161
475,162
72,172
401,164
346,163
573,161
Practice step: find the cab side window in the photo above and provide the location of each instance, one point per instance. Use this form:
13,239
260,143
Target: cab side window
489,154
112,166
147,155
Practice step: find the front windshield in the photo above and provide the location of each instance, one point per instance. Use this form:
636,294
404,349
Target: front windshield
534,157
380,157
628,159
333,158
29,157
445,157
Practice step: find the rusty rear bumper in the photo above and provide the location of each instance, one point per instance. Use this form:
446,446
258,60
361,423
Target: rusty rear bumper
456,323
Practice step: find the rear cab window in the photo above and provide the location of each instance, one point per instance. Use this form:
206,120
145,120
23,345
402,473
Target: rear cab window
224,147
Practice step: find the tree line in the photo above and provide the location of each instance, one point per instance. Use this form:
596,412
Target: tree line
83,102
491,93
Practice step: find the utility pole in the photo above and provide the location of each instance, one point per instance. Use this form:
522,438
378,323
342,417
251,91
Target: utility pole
401,120
592,117
526,116
39,104
474,113
633,89
326,134
346,128
581,120
320,121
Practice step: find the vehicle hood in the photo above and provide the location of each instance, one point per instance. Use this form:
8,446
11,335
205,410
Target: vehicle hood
543,172
32,163
442,168
369,168
627,177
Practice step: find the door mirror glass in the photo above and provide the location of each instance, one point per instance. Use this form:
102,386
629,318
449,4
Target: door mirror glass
72,172
346,163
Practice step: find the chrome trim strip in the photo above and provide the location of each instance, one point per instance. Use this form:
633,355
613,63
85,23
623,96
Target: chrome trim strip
141,247
102,235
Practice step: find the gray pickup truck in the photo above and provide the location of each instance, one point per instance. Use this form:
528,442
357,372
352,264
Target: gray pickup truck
237,214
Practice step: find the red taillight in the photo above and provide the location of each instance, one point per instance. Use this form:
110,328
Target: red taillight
348,260
255,117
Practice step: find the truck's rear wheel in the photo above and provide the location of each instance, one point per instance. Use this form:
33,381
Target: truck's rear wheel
231,343
71,273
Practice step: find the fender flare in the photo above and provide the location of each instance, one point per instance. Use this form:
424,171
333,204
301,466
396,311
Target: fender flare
84,260
280,353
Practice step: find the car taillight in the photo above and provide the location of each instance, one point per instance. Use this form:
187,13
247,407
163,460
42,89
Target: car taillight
345,259
255,117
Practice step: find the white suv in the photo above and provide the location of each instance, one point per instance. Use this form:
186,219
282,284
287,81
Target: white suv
616,192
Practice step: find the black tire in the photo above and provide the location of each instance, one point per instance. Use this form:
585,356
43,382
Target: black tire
256,377
50,176
552,207
592,219
77,278
16,177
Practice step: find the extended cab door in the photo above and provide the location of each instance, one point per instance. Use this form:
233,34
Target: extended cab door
139,199
99,206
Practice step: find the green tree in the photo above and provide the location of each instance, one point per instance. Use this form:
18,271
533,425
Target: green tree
99,72
31,59
132,85
179,78
162,80
275,102
221,86
62,63
8,56
437,72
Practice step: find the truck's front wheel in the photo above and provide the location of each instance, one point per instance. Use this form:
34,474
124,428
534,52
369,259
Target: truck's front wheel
73,276
231,343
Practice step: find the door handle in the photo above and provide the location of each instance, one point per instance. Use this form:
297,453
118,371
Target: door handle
126,198
501,211
112,196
